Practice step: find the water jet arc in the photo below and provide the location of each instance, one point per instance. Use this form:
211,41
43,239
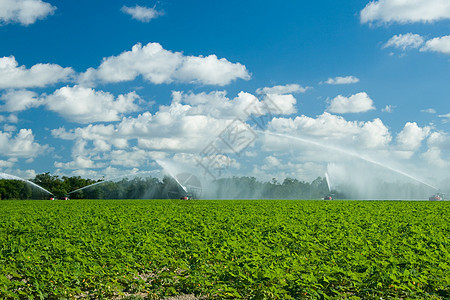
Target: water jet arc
12,177
106,180
166,168
334,148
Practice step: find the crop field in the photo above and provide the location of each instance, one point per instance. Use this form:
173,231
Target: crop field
250,249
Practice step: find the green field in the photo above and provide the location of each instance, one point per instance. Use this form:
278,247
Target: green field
224,249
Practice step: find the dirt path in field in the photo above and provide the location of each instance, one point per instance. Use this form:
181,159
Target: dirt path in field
182,297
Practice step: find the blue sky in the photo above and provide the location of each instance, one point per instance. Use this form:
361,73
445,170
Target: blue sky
104,88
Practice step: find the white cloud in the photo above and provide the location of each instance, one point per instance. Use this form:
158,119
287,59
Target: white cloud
429,110
405,41
438,154
78,163
411,137
86,105
11,119
19,100
270,162
332,129
22,145
7,163
374,135
438,44
446,116
283,89
134,158
342,80
402,11
188,125
25,12
39,75
357,103
9,128
141,13
158,66
388,108
281,104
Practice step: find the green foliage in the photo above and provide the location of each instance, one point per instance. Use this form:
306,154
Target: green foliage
224,249
153,188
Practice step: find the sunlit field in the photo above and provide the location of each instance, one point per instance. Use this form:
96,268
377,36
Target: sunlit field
251,249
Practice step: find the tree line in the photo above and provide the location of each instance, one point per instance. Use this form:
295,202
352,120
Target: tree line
154,188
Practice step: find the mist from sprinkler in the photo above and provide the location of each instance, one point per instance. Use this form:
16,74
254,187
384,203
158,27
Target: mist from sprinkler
349,153
13,177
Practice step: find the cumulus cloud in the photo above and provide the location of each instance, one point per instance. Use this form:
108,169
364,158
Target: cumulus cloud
342,80
283,89
141,13
39,75
411,137
188,125
19,100
7,163
25,12
157,65
401,11
12,118
405,41
438,154
86,105
21,145
438,44
335,129
357,103
280,104
78,163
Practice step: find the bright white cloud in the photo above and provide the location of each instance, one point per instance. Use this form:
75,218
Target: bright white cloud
188,125
374,135
342,80
411,137
328,128
86,105
357,103
141,13
438,154
78,163
158,66
438,44
39,75
280,104
6,163
283,89
25,12
405,41
19,100
21,145
405,11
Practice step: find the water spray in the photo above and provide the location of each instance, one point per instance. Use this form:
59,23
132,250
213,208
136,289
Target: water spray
106,180
334,148
327,178
165,167
12,177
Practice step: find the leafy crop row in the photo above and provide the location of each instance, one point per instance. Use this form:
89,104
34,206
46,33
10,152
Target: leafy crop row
224,249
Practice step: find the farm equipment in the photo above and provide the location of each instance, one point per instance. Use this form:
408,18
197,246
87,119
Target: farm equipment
328,197
437,197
